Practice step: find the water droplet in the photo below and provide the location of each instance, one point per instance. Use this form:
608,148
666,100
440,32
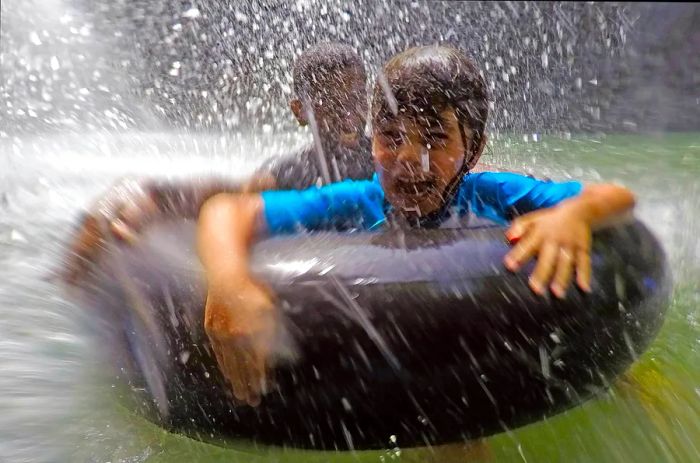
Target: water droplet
17,236
192,13
34,38
175,70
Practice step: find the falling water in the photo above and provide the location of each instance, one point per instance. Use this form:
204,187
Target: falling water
92,91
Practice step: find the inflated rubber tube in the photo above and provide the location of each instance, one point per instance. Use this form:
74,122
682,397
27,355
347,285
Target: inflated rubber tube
399,338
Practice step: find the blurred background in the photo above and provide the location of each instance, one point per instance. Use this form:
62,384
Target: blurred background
95,90
222,65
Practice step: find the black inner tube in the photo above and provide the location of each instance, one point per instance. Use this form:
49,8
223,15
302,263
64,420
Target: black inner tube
421,335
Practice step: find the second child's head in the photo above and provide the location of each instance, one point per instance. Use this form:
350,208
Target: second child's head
429,111
329,83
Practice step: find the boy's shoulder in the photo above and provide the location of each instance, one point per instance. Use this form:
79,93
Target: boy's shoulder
294,171
509,193
488,177
302,169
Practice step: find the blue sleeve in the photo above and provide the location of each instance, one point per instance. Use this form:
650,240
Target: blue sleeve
347,204
501,196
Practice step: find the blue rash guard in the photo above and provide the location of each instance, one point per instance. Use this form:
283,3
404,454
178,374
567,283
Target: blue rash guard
497,196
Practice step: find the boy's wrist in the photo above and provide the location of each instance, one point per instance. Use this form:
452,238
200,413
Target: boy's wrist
581,209
230,277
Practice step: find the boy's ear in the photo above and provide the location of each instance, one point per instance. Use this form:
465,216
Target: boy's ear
476,154
298,109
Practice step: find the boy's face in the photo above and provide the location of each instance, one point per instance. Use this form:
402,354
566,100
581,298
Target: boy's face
416,160
339,109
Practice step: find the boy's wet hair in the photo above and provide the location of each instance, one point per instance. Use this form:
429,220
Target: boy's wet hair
321,67
422,82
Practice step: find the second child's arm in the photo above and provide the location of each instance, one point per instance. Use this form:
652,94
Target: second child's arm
131,205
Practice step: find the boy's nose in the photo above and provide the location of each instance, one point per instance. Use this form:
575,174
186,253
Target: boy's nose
408,159
409,153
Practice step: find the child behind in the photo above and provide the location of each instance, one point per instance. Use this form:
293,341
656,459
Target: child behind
330,94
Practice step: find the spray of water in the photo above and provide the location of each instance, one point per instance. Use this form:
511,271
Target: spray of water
91,91
326,176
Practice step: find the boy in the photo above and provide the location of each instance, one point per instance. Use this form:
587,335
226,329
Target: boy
329,83
428,133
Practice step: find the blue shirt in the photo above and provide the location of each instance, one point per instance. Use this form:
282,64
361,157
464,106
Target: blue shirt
498,196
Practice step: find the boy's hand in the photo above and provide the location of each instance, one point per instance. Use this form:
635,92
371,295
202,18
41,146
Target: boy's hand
128,207
561,239
120,214
241,322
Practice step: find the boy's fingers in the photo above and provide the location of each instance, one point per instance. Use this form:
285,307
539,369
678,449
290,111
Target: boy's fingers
237,372
89,236
233,376
130,215
261,380
562,276
583,270
219,355
256,377
226,362
517,229
249,377
522,252
84,248
136,214
226,359
123,232
544,269
514,233
243,368
520,225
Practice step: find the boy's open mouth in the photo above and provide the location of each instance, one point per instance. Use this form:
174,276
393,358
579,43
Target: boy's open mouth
415,187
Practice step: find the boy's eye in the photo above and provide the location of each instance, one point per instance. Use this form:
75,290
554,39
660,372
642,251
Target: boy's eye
395,138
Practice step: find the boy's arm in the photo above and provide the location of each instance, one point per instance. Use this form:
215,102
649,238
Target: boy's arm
131,205
240,318
560,236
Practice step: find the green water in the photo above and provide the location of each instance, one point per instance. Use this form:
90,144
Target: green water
652,416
